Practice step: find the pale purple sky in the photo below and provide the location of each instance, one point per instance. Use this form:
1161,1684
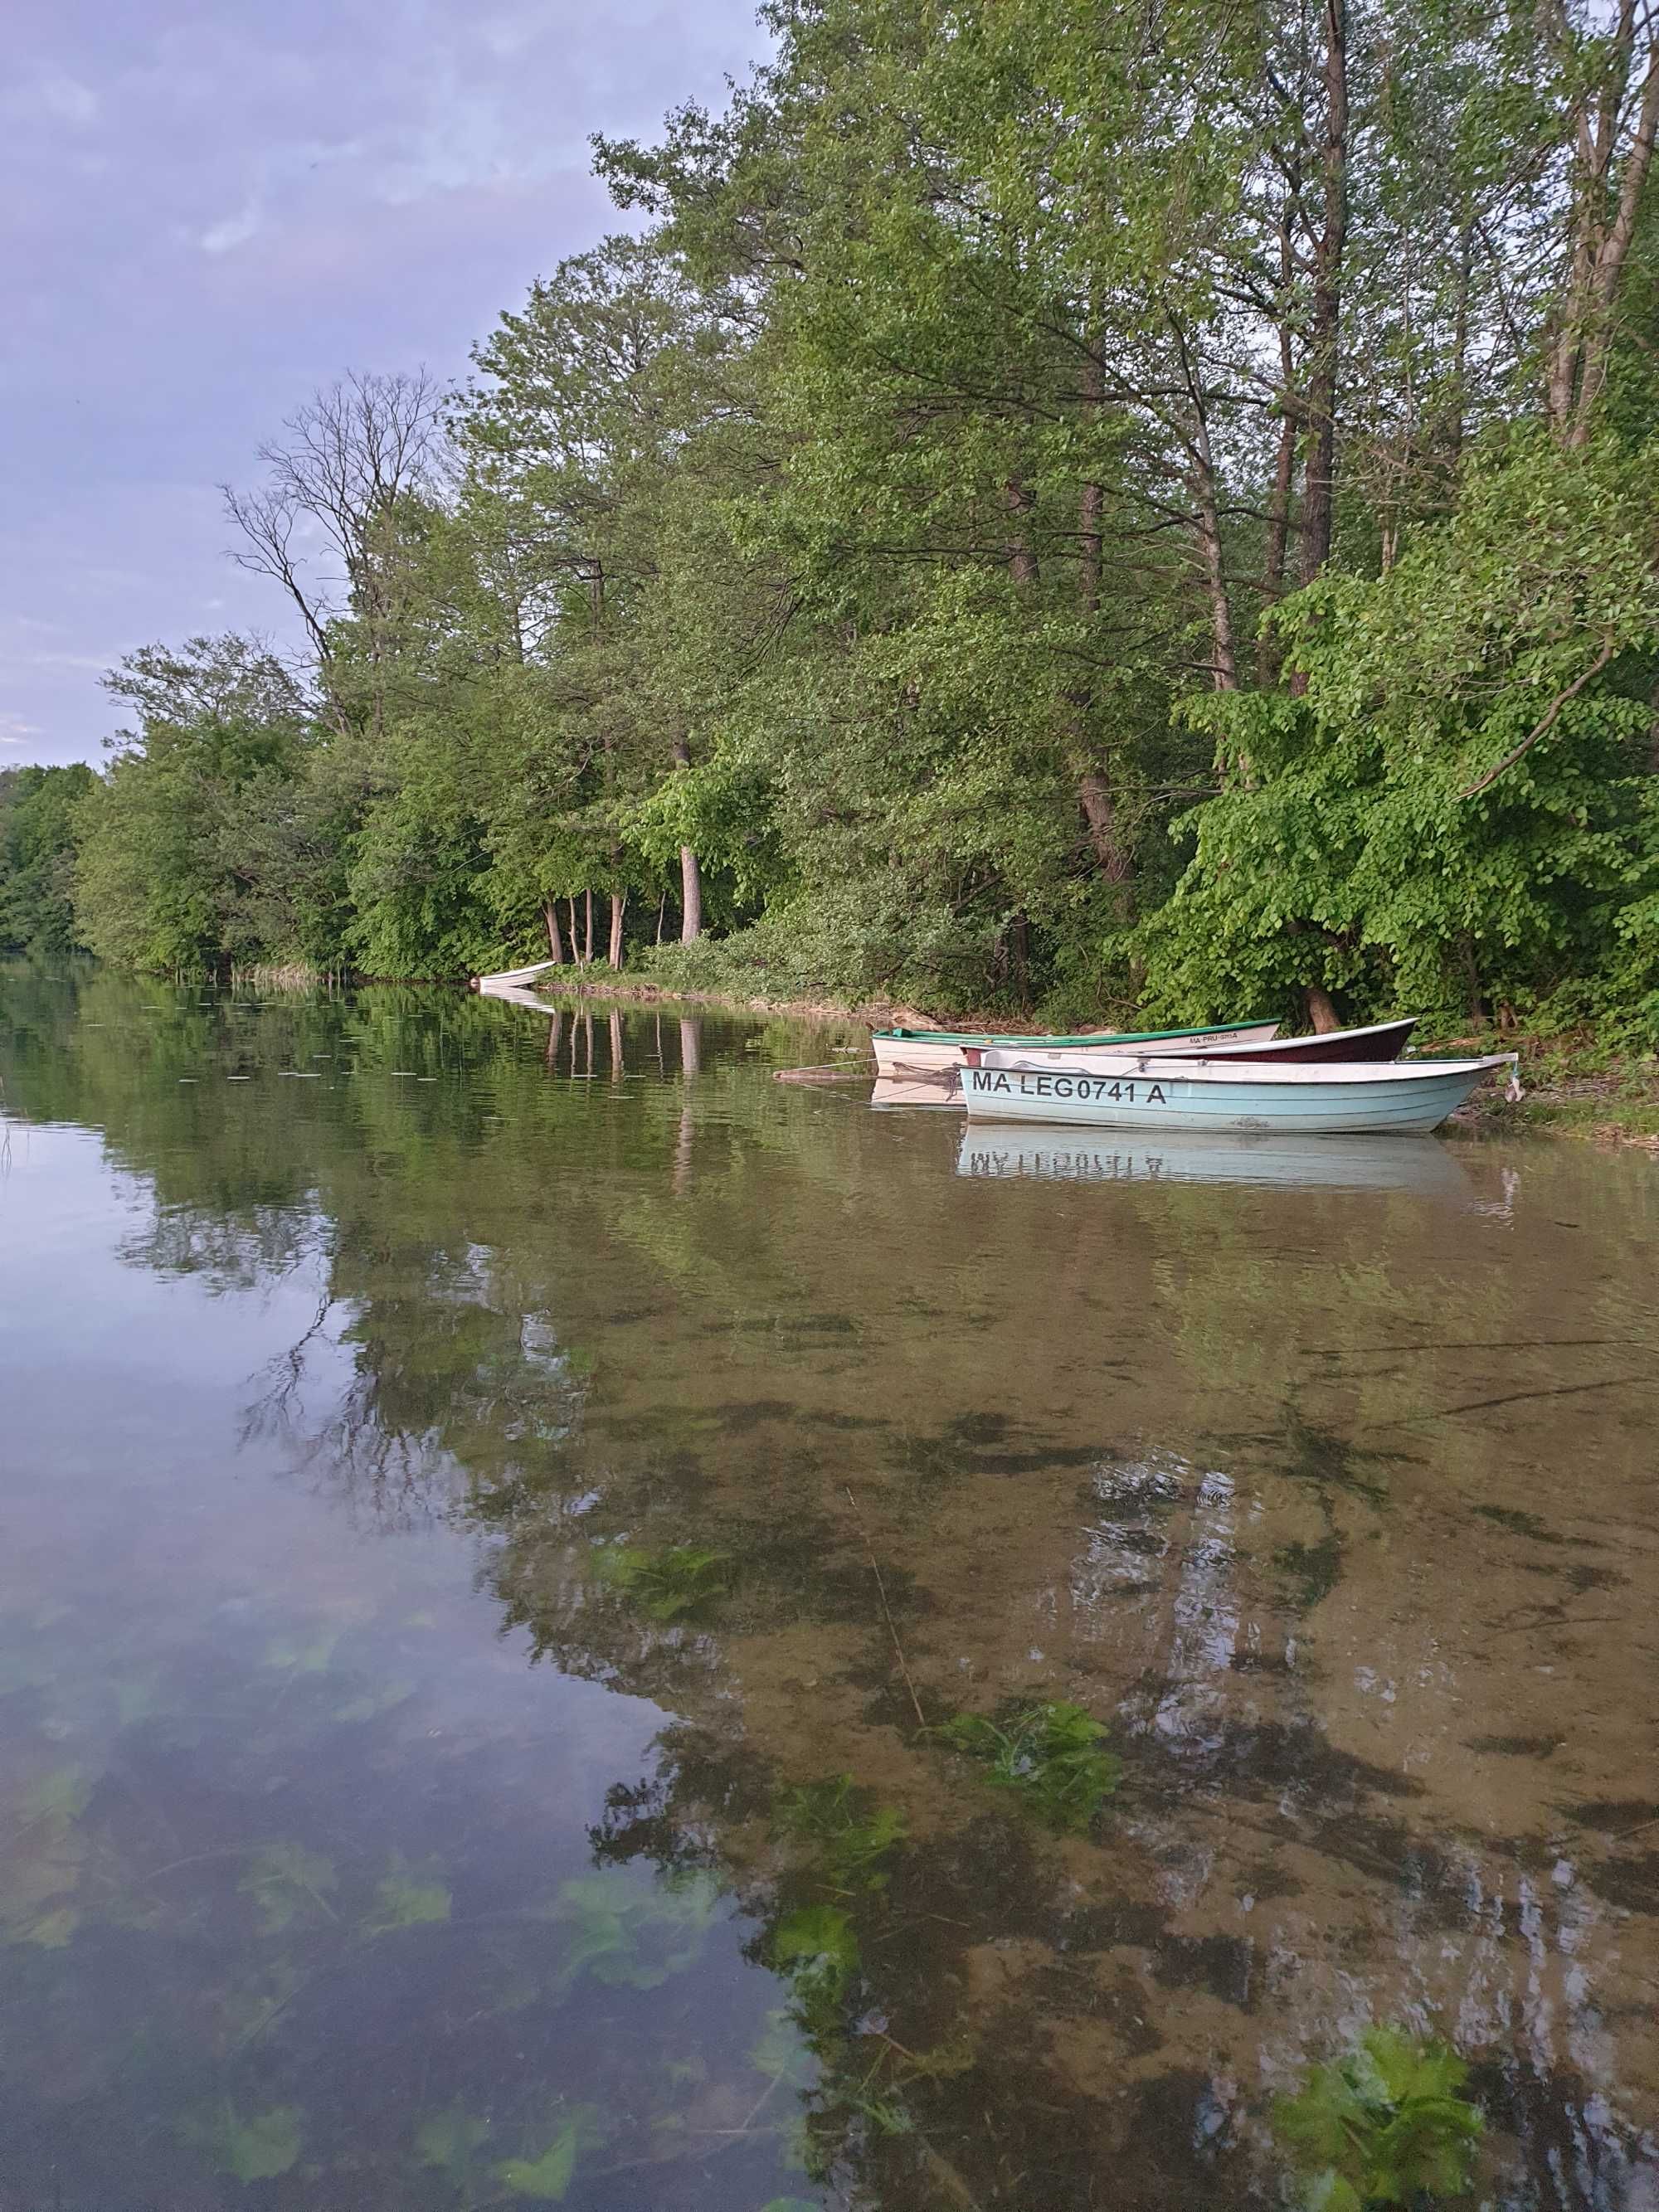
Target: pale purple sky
209,207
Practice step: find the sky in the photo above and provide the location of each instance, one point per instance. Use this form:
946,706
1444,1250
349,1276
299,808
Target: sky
209,208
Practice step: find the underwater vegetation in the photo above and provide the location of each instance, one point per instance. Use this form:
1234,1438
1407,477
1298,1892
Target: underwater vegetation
1384,2124
677,1581
1049,1755
847,1835
630,1937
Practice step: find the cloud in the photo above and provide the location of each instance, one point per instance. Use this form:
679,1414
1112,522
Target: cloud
67,99
15,730
233,231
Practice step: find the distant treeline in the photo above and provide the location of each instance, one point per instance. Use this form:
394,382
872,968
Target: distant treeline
1054,505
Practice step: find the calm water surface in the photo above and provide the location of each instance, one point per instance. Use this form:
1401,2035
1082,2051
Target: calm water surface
471,1485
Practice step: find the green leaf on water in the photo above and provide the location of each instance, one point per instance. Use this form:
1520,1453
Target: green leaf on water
288,1883
257,2149
404,1900
448,2139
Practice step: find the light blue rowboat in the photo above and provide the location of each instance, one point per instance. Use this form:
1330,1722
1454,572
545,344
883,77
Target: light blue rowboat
1154,1091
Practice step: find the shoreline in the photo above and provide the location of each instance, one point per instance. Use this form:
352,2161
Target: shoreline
1616,1107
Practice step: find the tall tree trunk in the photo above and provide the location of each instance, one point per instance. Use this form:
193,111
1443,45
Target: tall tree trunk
1460,354
618,903
587,942
690,896
550,915
1319,504
1279,530
1224,661
1019,951
1611,253
690,872
1322,1009
1095,796
575,941
1022,558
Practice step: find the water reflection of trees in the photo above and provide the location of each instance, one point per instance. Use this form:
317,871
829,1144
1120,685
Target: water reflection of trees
1209,1493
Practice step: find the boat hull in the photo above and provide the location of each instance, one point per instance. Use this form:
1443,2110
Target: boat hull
1353,1100
899,1052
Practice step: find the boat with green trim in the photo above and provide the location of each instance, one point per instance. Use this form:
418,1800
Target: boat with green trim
912,1052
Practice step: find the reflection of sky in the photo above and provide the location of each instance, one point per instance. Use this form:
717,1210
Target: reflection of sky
235,1675
123,1475
208,211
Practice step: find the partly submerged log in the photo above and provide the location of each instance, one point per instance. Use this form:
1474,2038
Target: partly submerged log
821,1074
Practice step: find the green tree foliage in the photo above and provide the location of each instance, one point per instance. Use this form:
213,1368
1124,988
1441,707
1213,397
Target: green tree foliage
37,856
1051,505
164,879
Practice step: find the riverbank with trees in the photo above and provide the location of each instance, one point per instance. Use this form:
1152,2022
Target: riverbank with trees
1077,514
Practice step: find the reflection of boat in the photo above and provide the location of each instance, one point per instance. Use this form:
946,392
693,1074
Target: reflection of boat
910,1050
1310,1162
1132,1090
1378,1041
515,996
505,979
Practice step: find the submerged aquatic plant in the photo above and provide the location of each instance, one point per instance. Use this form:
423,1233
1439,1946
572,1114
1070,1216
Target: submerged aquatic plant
818,1947
544,2175
1383,2125
256,2149
673,1583
849,1835
630,1934
1049,1755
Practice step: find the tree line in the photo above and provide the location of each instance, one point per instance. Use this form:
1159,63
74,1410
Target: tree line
1046,505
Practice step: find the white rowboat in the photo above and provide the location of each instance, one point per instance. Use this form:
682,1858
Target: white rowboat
1142,1091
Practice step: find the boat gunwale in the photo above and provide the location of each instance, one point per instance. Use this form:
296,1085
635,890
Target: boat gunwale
1005,1040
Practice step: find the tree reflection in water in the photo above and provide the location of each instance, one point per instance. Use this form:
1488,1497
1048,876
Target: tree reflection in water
1178,1454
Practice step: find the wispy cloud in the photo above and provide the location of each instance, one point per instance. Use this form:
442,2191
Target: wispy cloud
233,231
67,99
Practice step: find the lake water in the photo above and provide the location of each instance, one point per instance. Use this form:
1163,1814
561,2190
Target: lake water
471,1487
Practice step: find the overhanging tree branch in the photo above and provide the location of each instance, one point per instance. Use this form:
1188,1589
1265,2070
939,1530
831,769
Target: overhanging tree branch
1545,723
